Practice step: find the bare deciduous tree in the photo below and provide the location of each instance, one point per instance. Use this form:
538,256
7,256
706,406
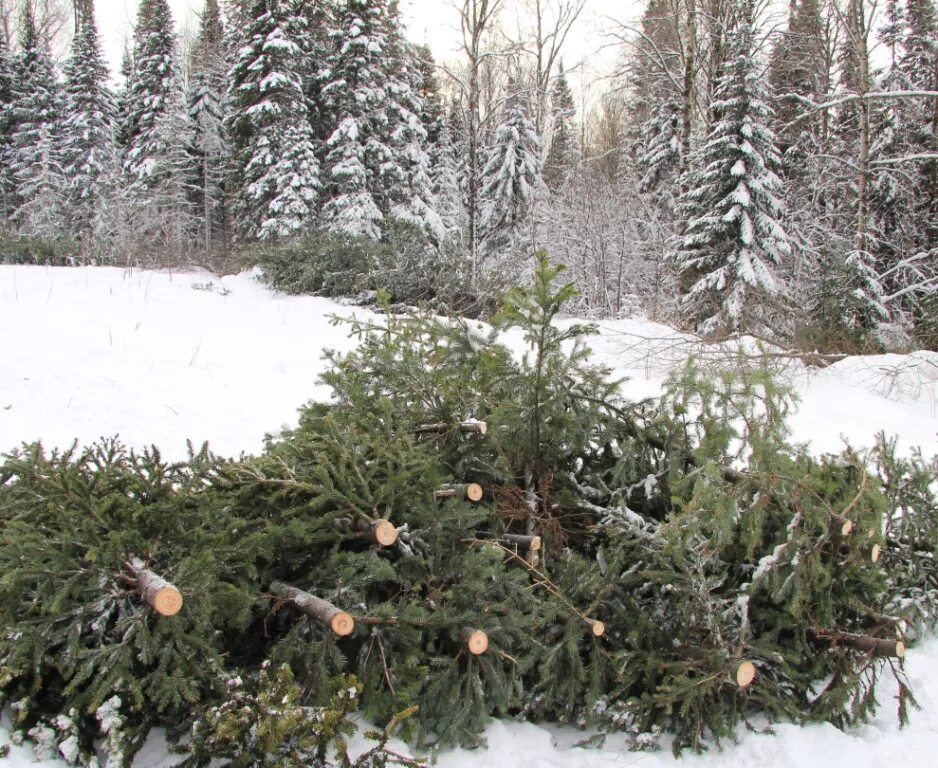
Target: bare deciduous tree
551,22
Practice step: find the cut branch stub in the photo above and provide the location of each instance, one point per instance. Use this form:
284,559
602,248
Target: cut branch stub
473,427
154,590
530,543
470,491
874,645
597,628
340,622
468,427
382,532
745,674
476,641
846,525
875,553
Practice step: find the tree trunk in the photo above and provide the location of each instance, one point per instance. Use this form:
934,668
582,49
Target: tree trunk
858,39
690,65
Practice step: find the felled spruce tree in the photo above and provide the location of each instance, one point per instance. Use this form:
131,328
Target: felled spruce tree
769,569
98,548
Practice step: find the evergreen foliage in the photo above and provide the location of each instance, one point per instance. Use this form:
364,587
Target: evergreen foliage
660,154
797,69
511,177
207,107
408,186
7,94
35,157
76,639
89,151
731,256
277,176
679,539
264,722
563,155
357,150
158,133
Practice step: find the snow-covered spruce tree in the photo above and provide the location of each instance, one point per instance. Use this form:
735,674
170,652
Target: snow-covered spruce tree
732,251
6,129
511,180
276,184
659,154
207,100
921,63
408,187
563,155
909,269
444,166
157,163
358,148
89,150
35,156
122,99
447,189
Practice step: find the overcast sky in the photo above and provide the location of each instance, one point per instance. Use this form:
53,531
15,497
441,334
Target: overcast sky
434,22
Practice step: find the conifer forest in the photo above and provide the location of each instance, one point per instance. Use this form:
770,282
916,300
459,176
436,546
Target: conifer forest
461,531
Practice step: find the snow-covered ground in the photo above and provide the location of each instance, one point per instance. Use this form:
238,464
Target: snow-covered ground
159,358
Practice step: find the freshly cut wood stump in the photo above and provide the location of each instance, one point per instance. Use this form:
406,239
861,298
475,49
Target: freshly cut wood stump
383,532
745,674
846,525
875,553
473,427
471,491
476,641
341,623
154,590
597,628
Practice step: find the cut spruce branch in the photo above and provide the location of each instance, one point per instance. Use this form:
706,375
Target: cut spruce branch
846,524
468,427
477,642
153,589
340,622
876,646
597,628
530,543
470,491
